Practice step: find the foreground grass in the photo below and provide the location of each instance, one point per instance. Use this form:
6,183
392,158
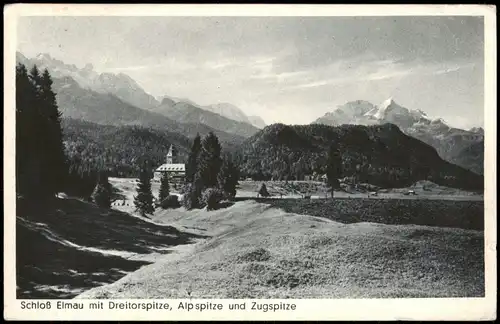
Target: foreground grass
257,251
74,246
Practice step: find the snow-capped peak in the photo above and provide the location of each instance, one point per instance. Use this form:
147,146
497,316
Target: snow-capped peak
422,113
438,121
44,57
478,130
385,107
388,102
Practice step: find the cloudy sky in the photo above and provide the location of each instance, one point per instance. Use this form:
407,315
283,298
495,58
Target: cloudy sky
284,69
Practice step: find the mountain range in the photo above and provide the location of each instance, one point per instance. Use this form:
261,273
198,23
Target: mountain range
107,109
118,100
123,87
451,143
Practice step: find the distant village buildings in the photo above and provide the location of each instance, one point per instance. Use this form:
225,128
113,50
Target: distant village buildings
176,171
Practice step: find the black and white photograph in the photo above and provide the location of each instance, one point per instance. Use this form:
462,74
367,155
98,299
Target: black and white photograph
278,157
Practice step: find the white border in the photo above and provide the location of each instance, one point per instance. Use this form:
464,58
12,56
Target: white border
307,309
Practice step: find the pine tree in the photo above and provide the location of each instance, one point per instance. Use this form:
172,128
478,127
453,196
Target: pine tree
334,168
27,175
144,200
223,175
192,194
101,195
209,162
40,157
54,154
227,178
164,188
35,79
192,164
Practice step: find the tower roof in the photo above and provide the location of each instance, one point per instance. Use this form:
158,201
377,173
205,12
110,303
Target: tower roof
172,167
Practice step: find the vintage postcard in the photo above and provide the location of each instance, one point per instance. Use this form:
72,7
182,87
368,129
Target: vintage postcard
249,162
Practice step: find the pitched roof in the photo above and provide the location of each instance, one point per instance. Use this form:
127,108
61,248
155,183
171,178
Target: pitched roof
172,167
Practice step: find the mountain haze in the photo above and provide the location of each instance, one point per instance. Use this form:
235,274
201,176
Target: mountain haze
229,111
257,121
226,110
185,112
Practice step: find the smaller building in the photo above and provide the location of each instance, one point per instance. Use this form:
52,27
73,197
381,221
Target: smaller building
176,171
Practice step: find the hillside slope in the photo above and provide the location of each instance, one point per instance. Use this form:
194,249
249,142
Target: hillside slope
378,154
77,246
471,157
262,252
185,112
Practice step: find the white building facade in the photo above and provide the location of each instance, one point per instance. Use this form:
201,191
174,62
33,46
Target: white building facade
176,171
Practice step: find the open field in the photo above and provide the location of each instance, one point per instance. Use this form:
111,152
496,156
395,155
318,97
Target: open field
258,251
315,189
431,212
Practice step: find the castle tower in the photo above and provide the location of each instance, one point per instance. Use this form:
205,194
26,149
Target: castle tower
170,155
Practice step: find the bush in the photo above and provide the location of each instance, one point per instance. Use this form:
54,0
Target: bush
212,197
172,201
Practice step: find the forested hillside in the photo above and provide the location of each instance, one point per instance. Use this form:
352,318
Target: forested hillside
379,154
120,150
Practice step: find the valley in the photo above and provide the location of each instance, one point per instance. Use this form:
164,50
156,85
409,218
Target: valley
406,221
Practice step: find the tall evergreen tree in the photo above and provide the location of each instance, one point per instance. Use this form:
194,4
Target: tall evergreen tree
144,200
334,168
164,188
54,155
209,162
40,156
227,178
35,79
192,163
27,175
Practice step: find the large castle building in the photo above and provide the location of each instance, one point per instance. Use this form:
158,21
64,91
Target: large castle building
176,171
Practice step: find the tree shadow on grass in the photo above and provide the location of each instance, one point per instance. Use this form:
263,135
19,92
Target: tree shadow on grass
52,247
87,225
